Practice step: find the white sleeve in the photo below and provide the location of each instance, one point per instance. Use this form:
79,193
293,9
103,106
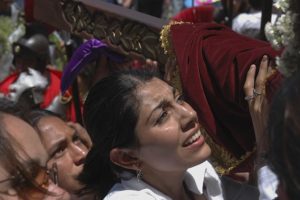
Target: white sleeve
128,196
267,183
238,23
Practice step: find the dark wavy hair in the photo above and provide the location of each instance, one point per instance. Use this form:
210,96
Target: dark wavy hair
35,115
110,116
284,135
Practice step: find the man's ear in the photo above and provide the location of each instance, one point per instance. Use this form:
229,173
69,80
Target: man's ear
124,158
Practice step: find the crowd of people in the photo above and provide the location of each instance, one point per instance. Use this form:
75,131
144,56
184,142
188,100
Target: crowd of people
217,121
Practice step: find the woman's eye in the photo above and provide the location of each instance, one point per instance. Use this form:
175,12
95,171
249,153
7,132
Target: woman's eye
162,117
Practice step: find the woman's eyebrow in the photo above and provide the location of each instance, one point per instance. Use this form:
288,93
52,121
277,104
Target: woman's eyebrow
162,104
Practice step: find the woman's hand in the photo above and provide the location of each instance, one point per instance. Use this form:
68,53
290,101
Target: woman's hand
127,3
254,89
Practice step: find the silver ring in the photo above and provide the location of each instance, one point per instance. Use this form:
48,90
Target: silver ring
248,98
255,93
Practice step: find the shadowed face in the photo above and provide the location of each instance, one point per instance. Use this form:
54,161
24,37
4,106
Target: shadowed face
67,149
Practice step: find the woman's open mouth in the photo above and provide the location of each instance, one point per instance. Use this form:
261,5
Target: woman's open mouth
193,139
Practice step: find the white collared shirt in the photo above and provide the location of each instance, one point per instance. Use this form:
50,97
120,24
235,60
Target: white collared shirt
267,183
195,178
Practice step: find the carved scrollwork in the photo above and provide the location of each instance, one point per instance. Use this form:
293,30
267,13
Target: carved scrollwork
81,21
126,36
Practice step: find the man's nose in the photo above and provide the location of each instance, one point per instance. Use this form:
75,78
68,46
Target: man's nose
78,154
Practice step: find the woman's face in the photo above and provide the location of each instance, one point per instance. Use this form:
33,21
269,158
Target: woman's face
67,150
168,130
29,141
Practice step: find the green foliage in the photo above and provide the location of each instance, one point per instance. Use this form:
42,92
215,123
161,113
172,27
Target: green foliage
60,52
7,27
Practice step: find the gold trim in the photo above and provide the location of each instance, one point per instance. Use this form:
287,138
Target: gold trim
166,44
165,37
223,161
128,37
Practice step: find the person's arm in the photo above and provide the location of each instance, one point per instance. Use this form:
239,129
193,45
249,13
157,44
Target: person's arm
254,89
255,95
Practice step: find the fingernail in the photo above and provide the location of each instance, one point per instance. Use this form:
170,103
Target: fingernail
252,66
265,58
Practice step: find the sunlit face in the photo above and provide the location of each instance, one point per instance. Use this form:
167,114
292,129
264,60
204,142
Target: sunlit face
168,130
33,152
66,149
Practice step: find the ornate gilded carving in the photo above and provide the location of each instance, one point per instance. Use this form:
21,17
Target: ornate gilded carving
128,37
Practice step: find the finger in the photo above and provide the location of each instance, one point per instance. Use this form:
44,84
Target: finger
262,75
151,64
155,64
249,83
148,62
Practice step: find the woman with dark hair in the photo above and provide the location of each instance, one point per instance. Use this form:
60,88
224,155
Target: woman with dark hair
154,135
147,142
23,173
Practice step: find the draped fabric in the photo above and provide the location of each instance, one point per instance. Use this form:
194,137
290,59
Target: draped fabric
213,62
196,14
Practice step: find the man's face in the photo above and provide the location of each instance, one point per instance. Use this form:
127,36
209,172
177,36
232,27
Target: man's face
67,149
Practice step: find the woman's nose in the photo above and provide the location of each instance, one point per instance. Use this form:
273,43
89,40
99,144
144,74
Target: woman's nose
188,117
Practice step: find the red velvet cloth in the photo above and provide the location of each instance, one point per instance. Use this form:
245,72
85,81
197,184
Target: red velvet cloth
29,15
28,9
196,14
213,62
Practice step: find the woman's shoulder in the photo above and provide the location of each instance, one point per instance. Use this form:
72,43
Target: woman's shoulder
129,195
125,193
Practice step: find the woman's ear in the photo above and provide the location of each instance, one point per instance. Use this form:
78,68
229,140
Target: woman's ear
125,158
